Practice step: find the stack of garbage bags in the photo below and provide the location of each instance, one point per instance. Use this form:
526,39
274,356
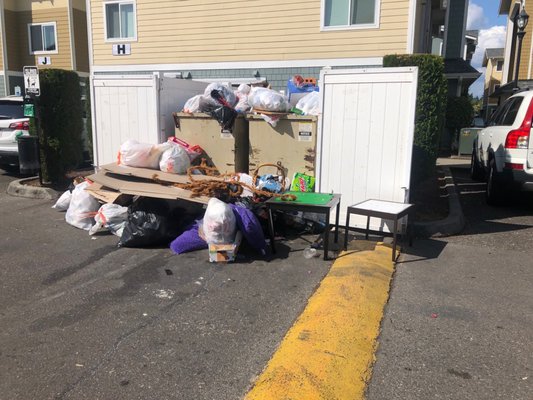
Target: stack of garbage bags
174,156
151,222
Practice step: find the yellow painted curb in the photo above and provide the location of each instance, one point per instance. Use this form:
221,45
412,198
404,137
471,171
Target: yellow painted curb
329,352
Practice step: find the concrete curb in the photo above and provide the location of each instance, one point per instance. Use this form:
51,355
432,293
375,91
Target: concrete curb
19,189
453,223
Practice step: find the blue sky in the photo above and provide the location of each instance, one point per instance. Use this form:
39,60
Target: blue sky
483,16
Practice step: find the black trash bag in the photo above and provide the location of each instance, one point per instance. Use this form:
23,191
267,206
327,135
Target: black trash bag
150,222
225,117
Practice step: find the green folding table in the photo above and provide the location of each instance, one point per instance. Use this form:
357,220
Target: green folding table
319,203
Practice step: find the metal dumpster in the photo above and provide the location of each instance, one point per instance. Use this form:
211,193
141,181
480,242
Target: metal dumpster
292,143
227,151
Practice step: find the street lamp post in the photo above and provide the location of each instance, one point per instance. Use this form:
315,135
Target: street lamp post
521,22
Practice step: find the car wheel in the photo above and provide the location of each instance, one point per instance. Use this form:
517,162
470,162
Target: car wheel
476,172
494,192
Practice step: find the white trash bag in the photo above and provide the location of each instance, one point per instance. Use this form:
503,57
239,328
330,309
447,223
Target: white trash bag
219,225
82,208
242,93
268,100
224,89
309,104
193,104
142,155
175,160
111,217
63,202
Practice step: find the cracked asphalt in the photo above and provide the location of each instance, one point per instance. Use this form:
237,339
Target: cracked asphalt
83,319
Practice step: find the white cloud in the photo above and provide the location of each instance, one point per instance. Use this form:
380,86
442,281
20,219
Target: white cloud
476,17
493,37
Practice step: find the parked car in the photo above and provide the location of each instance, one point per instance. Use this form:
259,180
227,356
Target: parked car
13,124
468,135
503,152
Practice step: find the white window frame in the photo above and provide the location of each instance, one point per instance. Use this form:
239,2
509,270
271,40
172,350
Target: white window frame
375,25
119,2
55,37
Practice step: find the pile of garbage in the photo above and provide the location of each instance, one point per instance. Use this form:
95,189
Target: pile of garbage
226,210
224,104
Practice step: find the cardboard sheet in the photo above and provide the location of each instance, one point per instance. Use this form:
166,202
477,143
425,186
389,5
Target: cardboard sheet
106,195
147,173
140,187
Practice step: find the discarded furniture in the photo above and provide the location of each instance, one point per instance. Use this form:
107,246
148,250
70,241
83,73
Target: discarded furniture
319,203
380,209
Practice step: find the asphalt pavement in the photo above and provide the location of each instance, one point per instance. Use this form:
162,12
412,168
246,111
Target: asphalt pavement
458,324
83,319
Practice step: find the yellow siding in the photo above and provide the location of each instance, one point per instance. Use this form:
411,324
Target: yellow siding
18,48
13,42
185,31
524,57
29,5
80,40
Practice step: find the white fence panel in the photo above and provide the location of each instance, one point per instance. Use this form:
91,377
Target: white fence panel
366,136
125,107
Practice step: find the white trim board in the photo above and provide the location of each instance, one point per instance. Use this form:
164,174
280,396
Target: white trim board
337,62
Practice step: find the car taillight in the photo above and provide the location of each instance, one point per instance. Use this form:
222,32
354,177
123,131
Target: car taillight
517,139
20,126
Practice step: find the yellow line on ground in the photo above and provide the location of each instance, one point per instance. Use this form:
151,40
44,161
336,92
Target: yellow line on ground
329,352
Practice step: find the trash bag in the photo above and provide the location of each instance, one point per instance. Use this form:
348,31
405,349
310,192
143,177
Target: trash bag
219,225
63,202
250,227
150,222
193,104
309,104
110,217
268,100
192,151
142,155
175,159
225,116
242,93
189,240
82,208
225,92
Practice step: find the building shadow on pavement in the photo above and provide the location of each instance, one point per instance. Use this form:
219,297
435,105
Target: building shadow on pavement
422,249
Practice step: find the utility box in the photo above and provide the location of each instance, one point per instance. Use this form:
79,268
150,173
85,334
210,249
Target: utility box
227,151
292,143
466,140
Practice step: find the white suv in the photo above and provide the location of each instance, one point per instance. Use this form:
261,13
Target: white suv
503,152
13,124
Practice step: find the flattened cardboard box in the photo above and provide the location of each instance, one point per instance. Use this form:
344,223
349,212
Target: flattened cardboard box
223,253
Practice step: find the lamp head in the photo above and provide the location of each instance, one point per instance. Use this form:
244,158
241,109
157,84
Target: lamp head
522,20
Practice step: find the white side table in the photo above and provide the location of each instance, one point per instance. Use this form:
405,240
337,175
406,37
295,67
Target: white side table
380,209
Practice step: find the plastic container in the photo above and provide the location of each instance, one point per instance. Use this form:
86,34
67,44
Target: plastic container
28,148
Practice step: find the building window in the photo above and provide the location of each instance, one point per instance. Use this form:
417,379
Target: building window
120,20
42,38
499,65
345,14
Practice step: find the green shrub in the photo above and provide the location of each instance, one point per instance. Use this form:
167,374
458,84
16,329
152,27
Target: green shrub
60,113
88,124
430,109
459,113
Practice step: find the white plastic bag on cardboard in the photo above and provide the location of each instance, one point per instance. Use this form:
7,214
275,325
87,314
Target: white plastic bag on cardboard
309,104
142,155
268,100
63,202
82,208
110,217
219,225
175,160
